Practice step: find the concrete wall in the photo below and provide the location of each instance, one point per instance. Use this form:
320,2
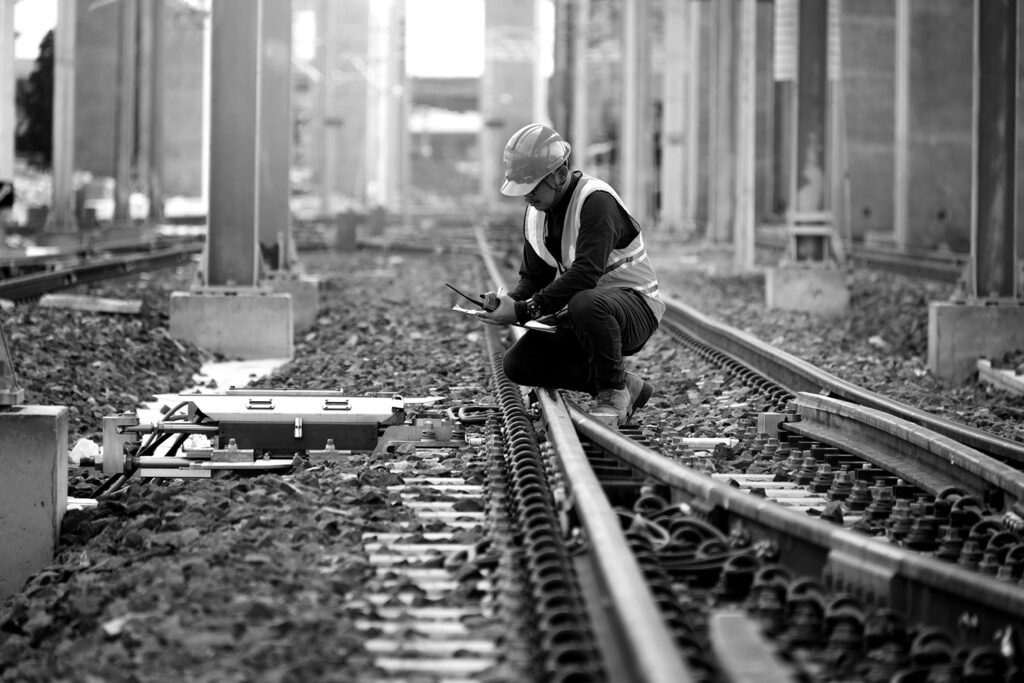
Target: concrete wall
868,67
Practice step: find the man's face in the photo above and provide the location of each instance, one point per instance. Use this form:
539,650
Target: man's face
543,196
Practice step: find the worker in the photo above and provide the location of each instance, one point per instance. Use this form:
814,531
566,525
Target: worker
584,266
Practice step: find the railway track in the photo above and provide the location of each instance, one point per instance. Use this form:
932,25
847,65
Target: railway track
70,272
899,544
565,550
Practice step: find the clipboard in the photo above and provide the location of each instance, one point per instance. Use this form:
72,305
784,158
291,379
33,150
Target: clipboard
529,325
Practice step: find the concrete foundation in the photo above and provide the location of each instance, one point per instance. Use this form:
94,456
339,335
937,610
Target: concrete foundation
240,324
345,225
814,289
305,293
34,493
960,333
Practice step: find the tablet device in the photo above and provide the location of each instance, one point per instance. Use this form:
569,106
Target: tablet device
476,300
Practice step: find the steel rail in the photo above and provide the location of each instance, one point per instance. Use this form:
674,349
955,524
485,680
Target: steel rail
931,266
637,622
35,285
797,375
919,456
878,572
651,654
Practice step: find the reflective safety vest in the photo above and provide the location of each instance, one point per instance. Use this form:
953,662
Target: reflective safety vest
627,268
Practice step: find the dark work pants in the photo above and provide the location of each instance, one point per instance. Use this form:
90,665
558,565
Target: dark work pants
606,324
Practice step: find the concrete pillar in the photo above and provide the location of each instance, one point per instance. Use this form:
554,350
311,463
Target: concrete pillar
722,162
232,252
636,122
579,133
127,90
151,99
506,88
745,104
61,219
995,190
274,130
34,492
250,133
181,102
7,113
785,68
540,79
250,137
703,110
385,117
681,162
560,94
991,320
321,134
679,72
349,90
765,105
810,190
932,203
806,278
868,35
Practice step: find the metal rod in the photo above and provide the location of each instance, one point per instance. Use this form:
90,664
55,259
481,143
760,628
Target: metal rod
168,428
160,461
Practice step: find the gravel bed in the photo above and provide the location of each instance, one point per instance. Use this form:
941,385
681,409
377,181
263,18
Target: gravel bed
881,345
235,578
248,578
98,364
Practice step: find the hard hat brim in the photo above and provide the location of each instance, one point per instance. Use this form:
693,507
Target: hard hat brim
513,189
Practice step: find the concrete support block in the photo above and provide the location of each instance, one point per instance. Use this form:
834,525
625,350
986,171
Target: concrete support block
345,225
240,324
814,289
960,333
305,293
34,492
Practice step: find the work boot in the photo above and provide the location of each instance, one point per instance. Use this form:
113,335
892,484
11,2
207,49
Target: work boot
639,393
622,403
613,402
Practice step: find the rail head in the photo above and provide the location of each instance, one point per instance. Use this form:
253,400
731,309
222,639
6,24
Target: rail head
914,453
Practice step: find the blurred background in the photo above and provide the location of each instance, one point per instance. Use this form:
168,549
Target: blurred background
703,115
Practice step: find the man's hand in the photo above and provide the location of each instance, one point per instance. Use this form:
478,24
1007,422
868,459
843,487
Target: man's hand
504,314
